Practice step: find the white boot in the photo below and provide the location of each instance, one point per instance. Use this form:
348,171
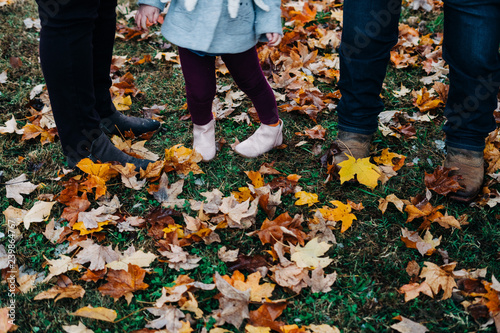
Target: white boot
263,140
204,140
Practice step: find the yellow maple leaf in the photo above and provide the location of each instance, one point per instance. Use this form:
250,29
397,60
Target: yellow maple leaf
84,231
306,198
243,194
258,292
122,103
256,178
367,173
182,159
386,158
343,213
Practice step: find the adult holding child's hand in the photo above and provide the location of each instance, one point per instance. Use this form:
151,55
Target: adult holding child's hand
146,14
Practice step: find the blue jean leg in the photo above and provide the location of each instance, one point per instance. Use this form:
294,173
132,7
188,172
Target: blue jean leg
370,31
470,47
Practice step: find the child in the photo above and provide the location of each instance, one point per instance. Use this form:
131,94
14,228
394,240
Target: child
203,29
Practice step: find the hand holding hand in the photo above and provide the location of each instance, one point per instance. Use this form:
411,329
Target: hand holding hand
146,14
274,38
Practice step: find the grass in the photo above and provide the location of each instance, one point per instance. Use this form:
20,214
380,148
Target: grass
370,258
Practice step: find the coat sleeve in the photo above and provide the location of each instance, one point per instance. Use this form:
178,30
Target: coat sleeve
156,3
268,21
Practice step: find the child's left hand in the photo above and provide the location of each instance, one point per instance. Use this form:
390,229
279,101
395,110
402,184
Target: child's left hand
274,38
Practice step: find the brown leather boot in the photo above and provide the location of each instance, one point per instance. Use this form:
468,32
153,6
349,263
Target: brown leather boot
470,165
355,144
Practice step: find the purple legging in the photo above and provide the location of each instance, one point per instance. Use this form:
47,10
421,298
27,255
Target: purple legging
199,75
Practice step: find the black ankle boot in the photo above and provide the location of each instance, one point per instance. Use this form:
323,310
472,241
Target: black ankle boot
102,149
119,123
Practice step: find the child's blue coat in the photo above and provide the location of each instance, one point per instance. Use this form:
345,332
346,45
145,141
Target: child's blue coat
209,28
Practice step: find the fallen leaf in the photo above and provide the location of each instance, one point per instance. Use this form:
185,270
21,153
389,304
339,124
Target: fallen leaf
77,329
38,213
440,181
98,313
72,291
124,283
233,307
366,172
309,256
17,186
439,278
408,326
10,126
306,198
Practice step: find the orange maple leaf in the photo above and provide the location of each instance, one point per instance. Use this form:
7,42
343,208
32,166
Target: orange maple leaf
124,283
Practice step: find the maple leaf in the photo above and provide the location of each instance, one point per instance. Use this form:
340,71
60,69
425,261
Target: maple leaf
423,100
98,175
81,328
412,290
321,282
213,200
391,198
309,255
75,206
257,292
321,228
183,160
306,198
136,150
122,103
131,256
317,132
60,266
38,213
124,283
239,215
233,307
11,127
31,131
17,186
98,313
425,246
256,178
387,158
366,172
227,255
128,174
153,170
169,318
440,181
341,213
97,255
408,326
178,258
290,276
266,314
268,169
72,291
439,278
282,229
191,305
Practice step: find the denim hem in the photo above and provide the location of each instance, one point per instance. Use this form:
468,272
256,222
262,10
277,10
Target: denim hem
464,146
356,130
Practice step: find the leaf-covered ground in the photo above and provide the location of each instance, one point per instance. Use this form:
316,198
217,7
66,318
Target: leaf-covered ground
274,243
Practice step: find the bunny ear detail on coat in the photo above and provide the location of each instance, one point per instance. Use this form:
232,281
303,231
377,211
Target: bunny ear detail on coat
261,5
232,6
190,4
